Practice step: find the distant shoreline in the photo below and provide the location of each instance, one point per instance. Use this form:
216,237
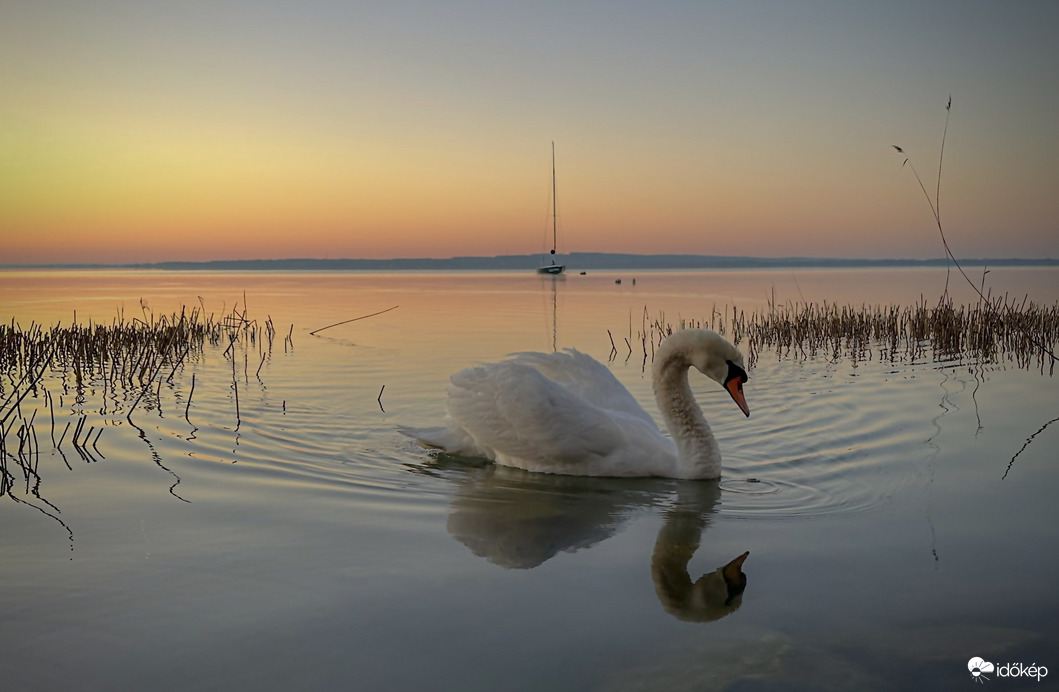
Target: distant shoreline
575,262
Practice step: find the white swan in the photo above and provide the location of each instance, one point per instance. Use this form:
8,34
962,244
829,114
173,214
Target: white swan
566,413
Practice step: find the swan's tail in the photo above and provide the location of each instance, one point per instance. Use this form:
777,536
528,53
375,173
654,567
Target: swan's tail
448,439
431,438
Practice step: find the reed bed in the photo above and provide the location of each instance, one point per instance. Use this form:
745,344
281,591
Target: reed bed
122,365
992,330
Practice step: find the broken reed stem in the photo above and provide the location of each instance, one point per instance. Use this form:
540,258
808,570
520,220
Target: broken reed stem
235,386
190,394
362,317
51,407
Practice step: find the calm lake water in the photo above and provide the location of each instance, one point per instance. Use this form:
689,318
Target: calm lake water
898,523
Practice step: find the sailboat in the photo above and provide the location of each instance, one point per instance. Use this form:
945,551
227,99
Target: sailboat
553,268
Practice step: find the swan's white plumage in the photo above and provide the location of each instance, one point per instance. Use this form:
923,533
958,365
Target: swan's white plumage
586,377
566,413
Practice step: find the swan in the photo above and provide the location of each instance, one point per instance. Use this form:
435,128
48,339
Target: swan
566,413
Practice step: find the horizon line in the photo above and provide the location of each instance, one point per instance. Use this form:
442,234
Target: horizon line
584,260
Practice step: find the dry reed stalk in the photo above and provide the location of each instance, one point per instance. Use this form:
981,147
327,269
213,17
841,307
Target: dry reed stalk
124,360
362,317
935,208
989,331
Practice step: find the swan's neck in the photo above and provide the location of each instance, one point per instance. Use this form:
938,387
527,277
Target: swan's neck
698,455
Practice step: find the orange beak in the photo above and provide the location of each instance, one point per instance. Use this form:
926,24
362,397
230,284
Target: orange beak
735,388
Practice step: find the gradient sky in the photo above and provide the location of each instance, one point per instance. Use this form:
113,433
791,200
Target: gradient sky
151,130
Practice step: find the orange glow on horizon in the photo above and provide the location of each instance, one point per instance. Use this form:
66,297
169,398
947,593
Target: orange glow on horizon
123,142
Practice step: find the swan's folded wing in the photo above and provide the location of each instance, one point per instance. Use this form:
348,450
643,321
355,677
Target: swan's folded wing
515,410
586,377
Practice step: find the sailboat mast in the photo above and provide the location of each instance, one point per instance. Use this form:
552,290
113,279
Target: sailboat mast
553,269
555,204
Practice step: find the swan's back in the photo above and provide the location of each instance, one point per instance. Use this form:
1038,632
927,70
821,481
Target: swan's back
586,377
556,413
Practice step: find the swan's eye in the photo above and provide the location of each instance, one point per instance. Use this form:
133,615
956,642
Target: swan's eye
735,371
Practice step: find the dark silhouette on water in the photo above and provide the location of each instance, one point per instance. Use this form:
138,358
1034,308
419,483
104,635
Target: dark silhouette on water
519,520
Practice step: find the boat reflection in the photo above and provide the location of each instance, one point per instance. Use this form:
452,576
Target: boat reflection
519,520
549,288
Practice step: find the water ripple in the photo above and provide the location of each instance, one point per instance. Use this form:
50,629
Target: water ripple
826,443
823,440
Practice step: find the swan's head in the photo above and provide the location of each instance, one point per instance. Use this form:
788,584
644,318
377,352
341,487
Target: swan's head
713,356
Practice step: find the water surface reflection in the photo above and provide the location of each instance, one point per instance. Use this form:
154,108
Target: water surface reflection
519,520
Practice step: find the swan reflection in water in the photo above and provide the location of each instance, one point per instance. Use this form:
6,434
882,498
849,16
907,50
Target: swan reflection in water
714,594
519,520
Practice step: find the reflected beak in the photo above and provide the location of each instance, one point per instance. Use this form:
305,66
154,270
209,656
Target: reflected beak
734,578
734,385
732,569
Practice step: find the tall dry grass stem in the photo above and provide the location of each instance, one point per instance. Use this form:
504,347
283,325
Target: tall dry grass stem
124,362
935,208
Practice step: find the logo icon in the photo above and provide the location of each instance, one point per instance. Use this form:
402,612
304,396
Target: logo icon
979,668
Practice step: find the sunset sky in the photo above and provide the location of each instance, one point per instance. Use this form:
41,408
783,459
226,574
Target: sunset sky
149,130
